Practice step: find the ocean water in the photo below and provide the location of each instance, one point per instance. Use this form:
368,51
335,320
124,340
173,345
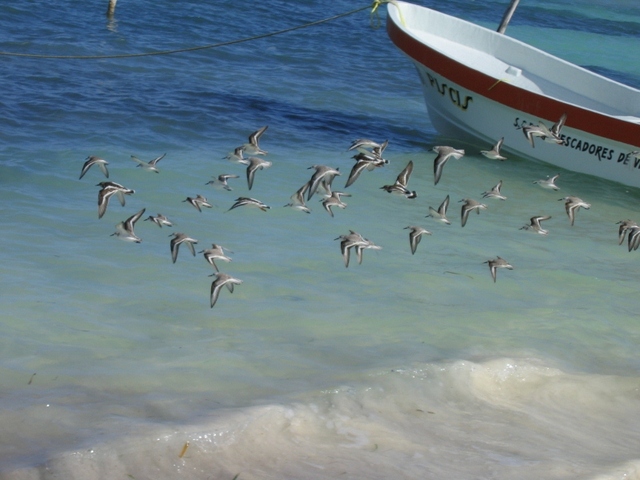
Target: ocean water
114,366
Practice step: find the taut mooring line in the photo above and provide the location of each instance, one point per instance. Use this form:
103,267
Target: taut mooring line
374,6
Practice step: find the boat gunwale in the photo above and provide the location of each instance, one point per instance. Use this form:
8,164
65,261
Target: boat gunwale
541,106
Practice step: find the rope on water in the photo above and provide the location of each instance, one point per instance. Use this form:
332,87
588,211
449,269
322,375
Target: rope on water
375,17
373,7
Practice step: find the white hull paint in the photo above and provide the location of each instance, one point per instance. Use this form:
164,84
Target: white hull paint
487,120
480,109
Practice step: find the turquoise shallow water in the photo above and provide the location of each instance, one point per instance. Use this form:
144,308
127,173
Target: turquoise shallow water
405,366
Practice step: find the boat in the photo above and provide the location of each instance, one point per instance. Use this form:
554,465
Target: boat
486,86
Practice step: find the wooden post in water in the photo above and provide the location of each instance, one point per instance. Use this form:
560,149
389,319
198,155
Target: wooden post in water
111,8
507,16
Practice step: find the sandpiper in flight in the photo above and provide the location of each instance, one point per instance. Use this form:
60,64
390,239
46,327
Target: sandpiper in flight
469,205
255,164
497,263
334,200
357,241
531,131
107,191
444,154
534,224
297,200
400,185
249,202
198,202
549,182
216,252
441,213
625,226
159,220
237,156
364,161
495,192
222,181
554,131
177,240
572,204
324,176
124,230
364,145
494,153
253,147
151,165
93,160
222,279
634,238
415,235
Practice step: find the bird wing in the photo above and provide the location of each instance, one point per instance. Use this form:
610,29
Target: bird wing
254,138
215,291
131,221
403,178
357,169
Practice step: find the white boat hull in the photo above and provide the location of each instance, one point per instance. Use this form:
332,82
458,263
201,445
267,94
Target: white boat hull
490,104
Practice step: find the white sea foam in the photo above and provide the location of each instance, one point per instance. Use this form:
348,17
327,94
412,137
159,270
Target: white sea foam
503,418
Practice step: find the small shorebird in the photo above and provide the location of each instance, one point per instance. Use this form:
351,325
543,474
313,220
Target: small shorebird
253,147
549,182
198,202
441,213
494,153
150,165
368,245
364,161
400,185
334,200
625,226
159,220
107,191
495,192
469,205
366,146
297,200
221,181
497,263
324,176
550,135
535,226
91,161
255,164
554,131
572,204
237,156
222,279
634,238
124,230
415,235
444,154
216,252
347,242
249,202
531,131
177,240
357,241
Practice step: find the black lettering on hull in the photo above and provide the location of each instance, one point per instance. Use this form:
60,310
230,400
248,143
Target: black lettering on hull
452,93
598,151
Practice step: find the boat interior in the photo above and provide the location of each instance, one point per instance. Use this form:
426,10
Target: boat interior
509,60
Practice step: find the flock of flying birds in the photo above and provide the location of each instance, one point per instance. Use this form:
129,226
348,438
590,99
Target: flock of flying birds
125,229
368,156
